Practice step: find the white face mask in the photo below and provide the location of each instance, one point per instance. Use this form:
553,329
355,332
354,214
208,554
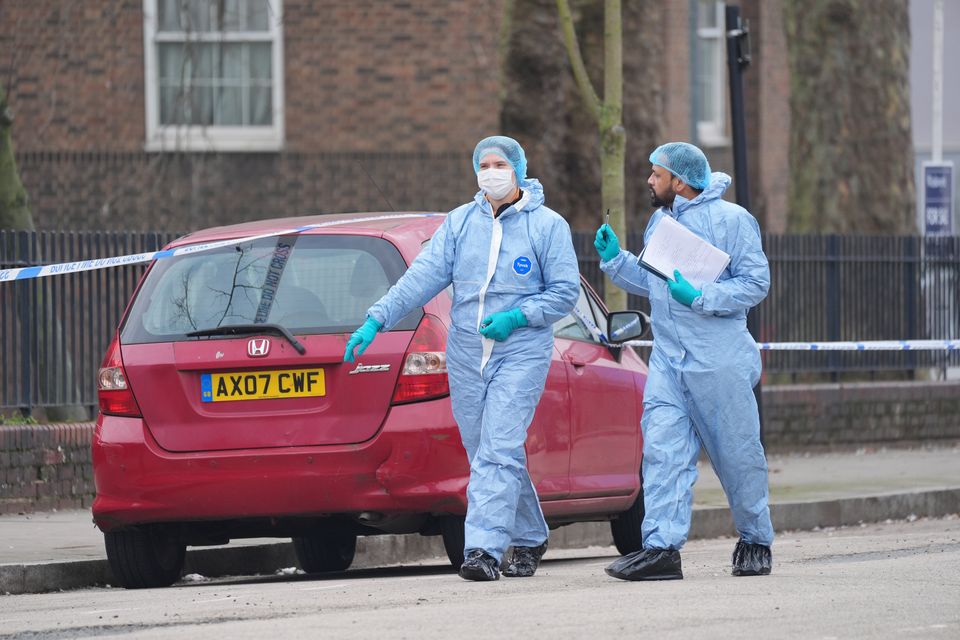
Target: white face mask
496,183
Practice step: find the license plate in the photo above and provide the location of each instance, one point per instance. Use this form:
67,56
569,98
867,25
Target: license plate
262,385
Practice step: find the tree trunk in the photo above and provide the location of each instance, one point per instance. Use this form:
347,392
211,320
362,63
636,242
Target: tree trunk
15,214
608,116
543,107
851,153
613,145
14,206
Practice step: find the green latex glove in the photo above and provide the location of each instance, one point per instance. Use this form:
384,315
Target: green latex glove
606,243
502,323
361,338
681,289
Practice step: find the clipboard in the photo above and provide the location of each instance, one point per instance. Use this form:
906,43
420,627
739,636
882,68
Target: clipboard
672,246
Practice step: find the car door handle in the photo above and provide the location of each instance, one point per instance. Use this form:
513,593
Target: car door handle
577,362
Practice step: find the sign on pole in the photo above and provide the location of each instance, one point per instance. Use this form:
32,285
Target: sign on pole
938,199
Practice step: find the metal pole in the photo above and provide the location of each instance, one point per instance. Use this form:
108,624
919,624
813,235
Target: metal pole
938,81
738,57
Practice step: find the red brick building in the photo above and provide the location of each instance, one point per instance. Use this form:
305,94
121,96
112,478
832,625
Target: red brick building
178,114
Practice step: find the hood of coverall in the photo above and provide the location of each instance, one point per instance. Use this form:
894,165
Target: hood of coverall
719,183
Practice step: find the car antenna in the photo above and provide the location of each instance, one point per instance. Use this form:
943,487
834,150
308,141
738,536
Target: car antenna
390,204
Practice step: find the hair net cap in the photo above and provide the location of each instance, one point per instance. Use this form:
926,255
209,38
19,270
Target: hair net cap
507,148
685,161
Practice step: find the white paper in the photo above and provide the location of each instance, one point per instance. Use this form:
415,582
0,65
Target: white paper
673,246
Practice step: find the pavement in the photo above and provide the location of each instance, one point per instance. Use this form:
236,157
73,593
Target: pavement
50,551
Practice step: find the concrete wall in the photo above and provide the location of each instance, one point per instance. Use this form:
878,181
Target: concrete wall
857,414
44,467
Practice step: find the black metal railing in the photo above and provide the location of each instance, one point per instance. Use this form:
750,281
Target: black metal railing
846,288
54,331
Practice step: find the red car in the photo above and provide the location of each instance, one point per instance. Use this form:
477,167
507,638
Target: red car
226,410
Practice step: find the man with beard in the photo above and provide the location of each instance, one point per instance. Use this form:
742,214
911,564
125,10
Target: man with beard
703,368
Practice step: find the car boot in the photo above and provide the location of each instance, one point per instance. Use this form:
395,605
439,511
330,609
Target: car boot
480,566
751,559
524,561
647,564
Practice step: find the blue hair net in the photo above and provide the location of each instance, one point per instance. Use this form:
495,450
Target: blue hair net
507,148
685,161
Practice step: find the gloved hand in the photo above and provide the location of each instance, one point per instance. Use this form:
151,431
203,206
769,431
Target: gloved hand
362,338
606,243
502,323
681,289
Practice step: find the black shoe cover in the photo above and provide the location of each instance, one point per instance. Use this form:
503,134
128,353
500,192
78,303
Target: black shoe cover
524,561
647,564
480,566
751,559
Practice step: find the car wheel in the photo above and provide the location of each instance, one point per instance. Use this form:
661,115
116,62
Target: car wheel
145,557
325,551
626,528
451,528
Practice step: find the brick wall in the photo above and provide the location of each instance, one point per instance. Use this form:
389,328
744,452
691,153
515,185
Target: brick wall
360,76
403,75
379,95
45,467
676,106
418,79
767,98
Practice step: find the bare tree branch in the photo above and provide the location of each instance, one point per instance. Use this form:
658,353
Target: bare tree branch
576,60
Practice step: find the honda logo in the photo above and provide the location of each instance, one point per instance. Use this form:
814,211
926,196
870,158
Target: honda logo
258,347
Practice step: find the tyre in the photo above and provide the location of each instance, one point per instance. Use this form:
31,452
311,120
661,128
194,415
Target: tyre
626,528
146,557
325,551
451,528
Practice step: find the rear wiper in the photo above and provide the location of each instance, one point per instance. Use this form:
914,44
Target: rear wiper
250,329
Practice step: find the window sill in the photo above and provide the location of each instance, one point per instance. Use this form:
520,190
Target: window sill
232,140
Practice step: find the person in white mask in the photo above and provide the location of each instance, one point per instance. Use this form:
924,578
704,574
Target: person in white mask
514,273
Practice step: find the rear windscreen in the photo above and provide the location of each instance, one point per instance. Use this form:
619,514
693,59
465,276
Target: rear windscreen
309,284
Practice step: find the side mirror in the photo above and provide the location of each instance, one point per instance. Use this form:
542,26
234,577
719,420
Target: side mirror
626,325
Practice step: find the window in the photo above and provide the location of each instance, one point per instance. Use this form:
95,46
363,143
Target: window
214,75
710,74
310,284
571,327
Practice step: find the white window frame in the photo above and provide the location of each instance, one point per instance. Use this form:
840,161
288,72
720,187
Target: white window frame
712,131
212,138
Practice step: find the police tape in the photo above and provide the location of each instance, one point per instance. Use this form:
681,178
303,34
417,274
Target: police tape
874,345
28,273
870,345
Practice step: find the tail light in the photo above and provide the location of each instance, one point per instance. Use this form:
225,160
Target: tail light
424,373
116,397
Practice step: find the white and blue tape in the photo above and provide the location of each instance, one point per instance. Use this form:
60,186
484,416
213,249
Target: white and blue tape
872,345
27,273
875,345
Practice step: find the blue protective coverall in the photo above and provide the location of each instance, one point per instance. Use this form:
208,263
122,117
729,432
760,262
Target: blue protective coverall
703,368
522,258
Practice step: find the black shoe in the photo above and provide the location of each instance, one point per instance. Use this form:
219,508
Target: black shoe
480,566
647,564
524,561
751,559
